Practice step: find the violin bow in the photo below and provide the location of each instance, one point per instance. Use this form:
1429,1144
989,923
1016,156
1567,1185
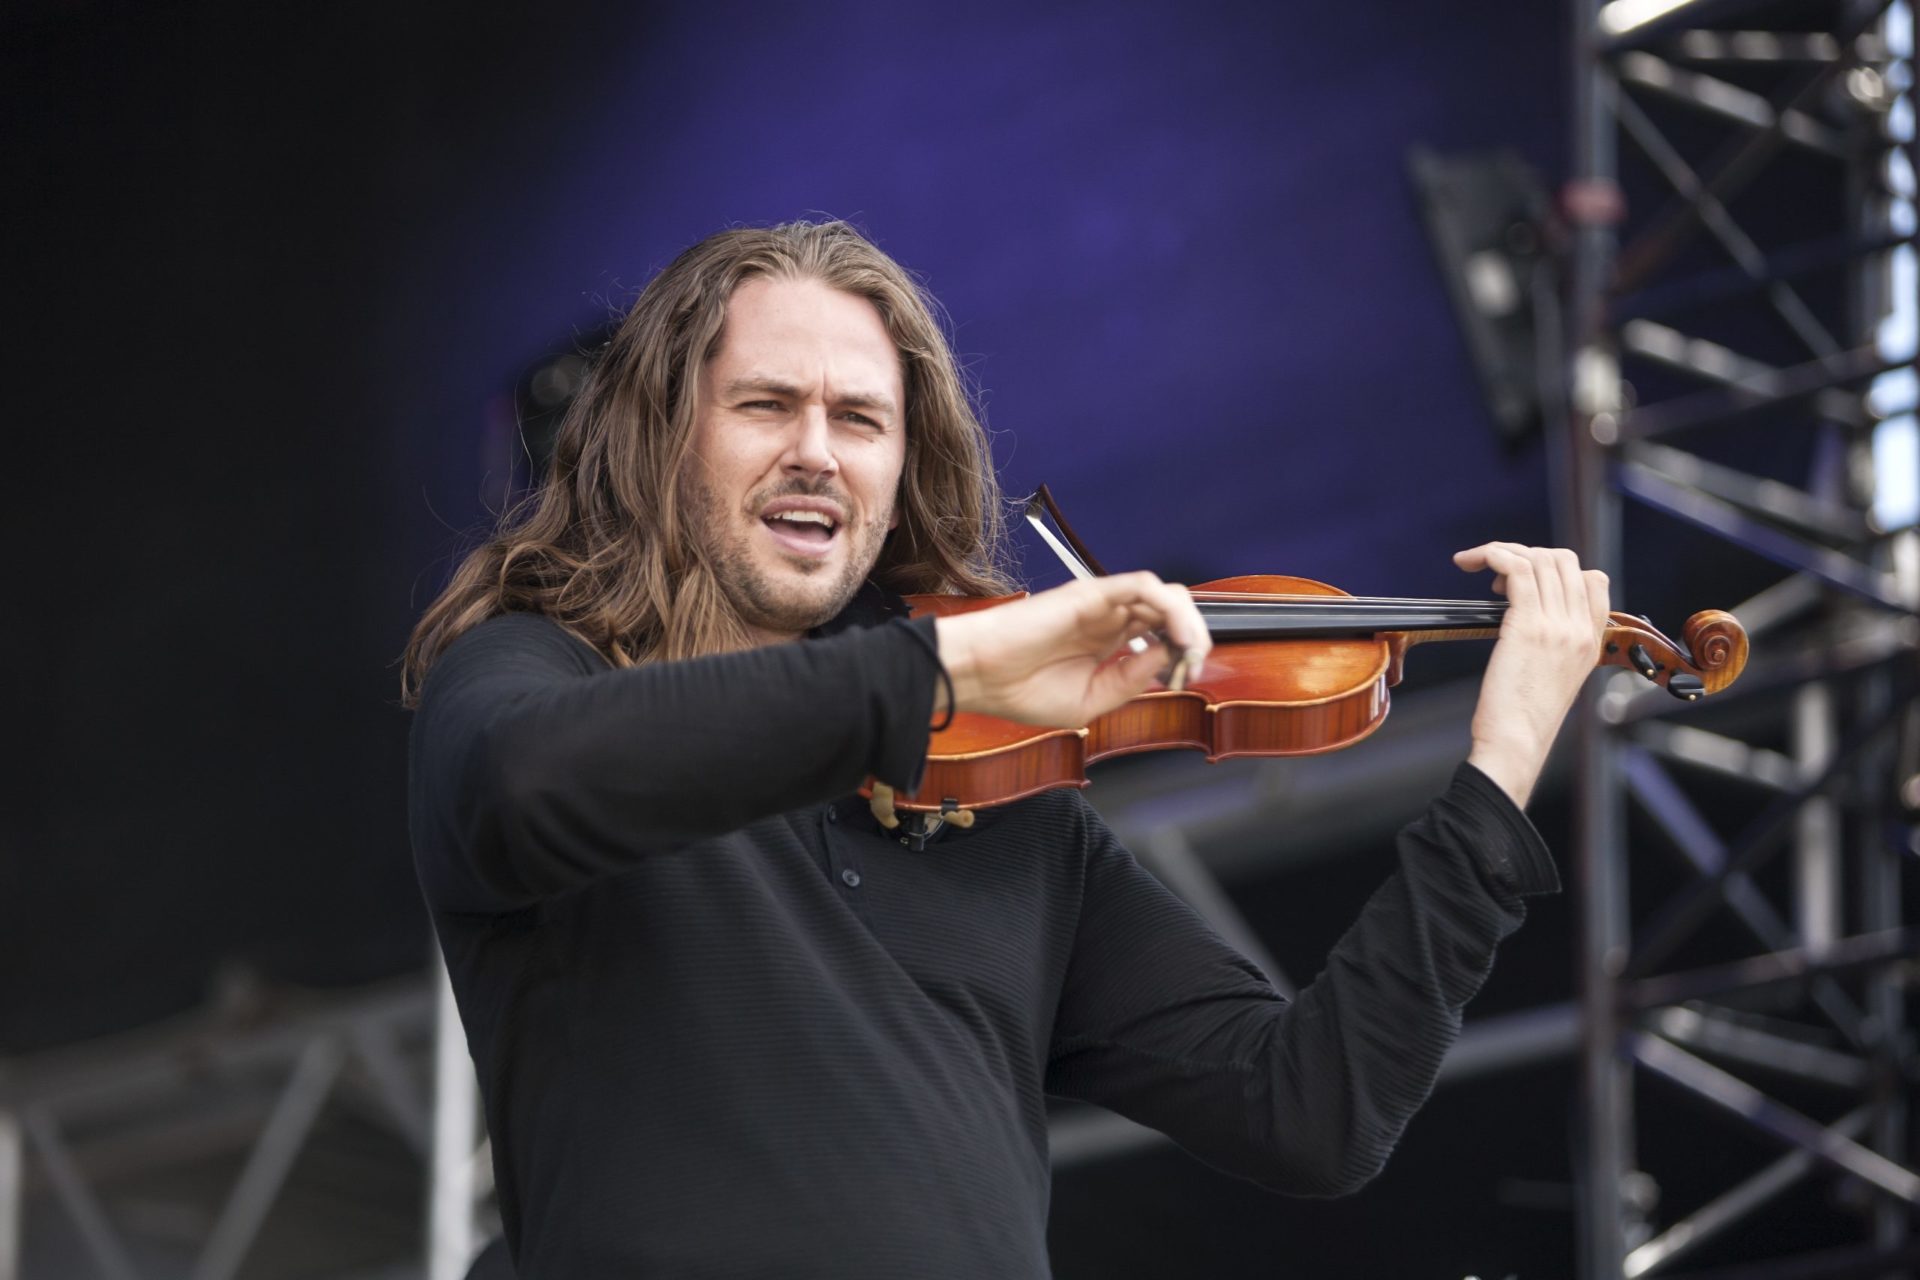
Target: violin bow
1066,544
1082,563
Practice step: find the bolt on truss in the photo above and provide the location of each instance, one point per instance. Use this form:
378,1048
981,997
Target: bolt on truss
1782,952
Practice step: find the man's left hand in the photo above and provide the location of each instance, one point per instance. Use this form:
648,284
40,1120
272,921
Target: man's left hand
1549,643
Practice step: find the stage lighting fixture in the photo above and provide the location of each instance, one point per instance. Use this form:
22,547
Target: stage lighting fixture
1487,217
547,390
1621,16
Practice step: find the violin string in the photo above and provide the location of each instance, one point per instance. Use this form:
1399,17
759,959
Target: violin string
1250,597
1369,605
1208,599
1231,604
1230,607
1375,613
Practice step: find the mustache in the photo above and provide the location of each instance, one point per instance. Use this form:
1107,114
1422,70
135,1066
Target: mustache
795,487
798,488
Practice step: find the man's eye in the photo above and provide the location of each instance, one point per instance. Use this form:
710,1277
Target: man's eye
862,419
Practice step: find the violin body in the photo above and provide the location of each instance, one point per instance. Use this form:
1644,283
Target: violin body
1267,696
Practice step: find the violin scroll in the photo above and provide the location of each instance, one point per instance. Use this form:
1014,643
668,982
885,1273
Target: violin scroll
1719,644
1710,657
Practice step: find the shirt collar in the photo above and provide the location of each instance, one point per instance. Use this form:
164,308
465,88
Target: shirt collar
872,605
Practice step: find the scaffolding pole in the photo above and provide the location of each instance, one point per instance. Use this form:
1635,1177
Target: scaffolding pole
1835,946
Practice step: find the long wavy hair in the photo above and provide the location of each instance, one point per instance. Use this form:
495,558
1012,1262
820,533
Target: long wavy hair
603,546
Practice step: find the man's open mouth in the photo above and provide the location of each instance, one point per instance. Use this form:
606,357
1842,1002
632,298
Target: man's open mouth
801,530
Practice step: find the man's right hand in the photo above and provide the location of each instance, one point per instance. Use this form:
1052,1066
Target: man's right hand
1061,658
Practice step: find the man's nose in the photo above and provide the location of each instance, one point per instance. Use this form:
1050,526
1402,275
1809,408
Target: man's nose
810,450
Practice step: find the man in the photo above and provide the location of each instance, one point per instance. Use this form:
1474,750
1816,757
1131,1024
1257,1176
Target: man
725,1024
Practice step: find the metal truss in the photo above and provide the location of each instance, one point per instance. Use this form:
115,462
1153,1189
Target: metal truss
1780,954
109,1145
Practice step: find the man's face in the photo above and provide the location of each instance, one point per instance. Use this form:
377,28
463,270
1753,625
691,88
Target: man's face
797,449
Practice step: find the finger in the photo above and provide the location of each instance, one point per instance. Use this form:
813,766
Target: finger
1599,597
1112,619
1546,580
1114,683
1193,639
1108,617
1144,619
1473,559
1169,609
1144,630
1513,570
1182,624
1573,588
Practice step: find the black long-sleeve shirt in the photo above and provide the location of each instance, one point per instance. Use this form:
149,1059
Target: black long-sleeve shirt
725,1026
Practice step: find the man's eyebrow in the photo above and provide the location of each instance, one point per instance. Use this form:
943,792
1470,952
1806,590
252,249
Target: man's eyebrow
776,387
859,400
772,386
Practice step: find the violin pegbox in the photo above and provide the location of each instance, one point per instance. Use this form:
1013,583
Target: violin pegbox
1710,657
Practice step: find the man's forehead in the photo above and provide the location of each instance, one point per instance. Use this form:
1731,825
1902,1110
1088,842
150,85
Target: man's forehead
789,334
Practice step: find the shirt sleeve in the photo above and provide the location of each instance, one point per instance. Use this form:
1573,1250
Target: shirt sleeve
1163,1022
535,768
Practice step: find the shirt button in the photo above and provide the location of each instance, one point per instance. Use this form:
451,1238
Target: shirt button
833,814
850,878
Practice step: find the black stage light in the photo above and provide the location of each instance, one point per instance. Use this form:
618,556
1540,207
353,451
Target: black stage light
1486,214
547,390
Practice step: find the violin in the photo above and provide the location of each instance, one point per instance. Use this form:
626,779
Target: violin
1298,668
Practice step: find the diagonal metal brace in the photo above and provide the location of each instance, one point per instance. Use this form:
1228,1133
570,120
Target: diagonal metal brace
1670,808
1800,964
102,1242
1775,387
1716,515
1735,1095
1684,912
1655,246
1730,1208
273,1156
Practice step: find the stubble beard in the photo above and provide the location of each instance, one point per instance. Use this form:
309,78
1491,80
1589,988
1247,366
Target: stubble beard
764,603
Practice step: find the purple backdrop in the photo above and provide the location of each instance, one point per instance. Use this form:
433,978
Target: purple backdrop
1178,248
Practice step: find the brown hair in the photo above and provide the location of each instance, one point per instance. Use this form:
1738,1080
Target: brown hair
602,545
